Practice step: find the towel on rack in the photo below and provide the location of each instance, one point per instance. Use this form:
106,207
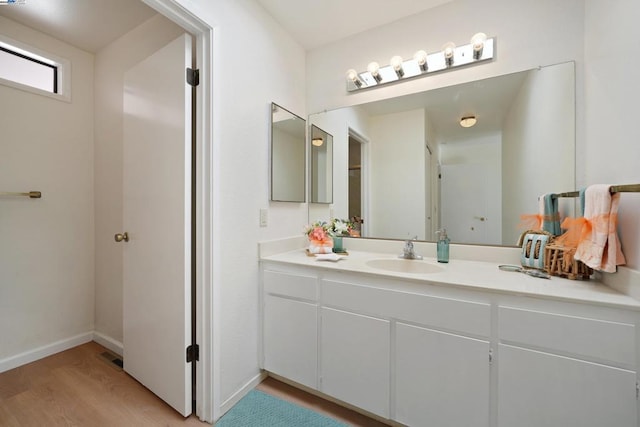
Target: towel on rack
600,247
549,211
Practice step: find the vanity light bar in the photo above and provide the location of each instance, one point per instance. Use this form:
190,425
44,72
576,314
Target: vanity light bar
448,58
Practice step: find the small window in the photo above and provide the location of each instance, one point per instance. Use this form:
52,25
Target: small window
27,70
33,70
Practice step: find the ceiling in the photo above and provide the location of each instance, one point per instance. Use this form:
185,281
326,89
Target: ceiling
87,24
489,100
93,24
316,23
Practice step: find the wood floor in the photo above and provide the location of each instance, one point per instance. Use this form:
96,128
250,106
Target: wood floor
78,387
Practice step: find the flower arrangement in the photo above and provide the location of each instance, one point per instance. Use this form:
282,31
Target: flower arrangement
318,231
340,227
320,241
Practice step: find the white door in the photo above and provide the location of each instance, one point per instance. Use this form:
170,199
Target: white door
471,203
157,218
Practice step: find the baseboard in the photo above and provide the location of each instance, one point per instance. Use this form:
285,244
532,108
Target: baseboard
44,351
235,398
109,343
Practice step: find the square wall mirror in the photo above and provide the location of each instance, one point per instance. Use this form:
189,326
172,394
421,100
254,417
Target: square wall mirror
288,165
321,166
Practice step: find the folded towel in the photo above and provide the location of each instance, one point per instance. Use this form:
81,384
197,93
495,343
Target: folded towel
550,216
600,248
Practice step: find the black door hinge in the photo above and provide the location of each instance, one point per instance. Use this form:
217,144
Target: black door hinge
193,353
193,77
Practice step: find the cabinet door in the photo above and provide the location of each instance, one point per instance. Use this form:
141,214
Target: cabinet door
441,379
291,339
541,389
355,354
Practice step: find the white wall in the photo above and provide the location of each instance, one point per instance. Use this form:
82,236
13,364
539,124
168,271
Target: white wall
46,255
529,34
255,62
398,161
542,113
110,64
612,91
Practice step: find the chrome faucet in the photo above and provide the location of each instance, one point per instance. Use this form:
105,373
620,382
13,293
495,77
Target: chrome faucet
408,251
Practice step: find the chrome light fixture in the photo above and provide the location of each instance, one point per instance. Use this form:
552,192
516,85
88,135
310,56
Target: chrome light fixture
450,57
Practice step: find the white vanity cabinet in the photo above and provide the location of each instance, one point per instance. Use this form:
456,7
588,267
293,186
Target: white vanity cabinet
422,354
290,326
566,370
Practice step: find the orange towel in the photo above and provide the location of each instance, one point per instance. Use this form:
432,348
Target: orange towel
600,248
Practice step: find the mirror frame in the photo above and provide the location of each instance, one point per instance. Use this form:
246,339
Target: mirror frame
272,154
316,132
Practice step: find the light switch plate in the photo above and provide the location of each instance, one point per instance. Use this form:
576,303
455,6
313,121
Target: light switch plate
264,217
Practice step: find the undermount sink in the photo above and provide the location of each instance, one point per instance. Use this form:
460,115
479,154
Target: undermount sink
404,266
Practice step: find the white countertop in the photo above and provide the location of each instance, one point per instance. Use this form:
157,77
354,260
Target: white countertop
472,275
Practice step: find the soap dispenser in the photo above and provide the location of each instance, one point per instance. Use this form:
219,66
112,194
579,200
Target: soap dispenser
443,246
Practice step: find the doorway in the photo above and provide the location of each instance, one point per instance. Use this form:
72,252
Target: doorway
358,183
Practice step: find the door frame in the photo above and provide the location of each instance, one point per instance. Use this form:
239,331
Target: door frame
208,367
364,177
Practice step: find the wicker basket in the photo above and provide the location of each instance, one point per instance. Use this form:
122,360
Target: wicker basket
557,263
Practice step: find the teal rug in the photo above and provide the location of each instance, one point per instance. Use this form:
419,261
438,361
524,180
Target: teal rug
258,409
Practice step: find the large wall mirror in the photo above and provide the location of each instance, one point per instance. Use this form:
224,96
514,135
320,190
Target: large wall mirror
321,166
423,171
288,162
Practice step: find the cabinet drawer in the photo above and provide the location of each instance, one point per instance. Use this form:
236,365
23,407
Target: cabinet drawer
290,285
604,341
437,312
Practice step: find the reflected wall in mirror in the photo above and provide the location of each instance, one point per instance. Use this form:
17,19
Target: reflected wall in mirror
321,166
426,172
288,164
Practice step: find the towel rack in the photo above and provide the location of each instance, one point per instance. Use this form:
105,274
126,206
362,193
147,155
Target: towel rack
30,194
629,188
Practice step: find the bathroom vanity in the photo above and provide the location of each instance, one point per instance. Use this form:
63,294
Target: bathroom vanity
457,344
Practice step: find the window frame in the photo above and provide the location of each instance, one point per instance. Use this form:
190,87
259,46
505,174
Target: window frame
61,65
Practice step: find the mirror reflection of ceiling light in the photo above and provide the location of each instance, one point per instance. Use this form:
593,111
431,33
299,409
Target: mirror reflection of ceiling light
451,56
468,121
317,142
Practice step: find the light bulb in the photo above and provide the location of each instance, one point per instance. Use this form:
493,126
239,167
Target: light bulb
317,142
421,58
353,76
448,49
396,63
374,69
477,42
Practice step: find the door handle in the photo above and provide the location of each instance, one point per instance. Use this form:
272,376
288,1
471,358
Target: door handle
481,218
120,237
